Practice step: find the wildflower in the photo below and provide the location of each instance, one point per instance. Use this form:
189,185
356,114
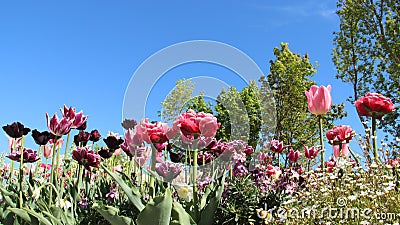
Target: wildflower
16,130
319,99
374,104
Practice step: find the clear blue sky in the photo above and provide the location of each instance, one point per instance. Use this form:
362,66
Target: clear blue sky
83,53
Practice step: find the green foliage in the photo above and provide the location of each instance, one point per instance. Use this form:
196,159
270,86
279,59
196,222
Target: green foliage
289,77
175,102
367,52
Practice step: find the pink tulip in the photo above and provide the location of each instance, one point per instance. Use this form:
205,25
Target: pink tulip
59,143
194,124
58,127
208,125
310,153
293,155
271,170
337,153
14,143
340,134
152,133
319,99
168,170
277,146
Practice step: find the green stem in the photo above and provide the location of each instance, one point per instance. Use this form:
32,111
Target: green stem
375,140
66,144
21,175
153,169
321,142
52,171
195,197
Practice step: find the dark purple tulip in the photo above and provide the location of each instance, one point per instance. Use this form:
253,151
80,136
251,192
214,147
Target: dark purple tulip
28,154
81,138
112,142
94,136
16,130
83,126
86,157
176,156
129,124
41,138
105,153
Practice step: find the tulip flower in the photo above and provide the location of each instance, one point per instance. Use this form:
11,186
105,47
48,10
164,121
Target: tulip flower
340,134
16,130
152,132
59,142
293,155
277,146
47,151
319,99
168,170
105,153
341,151
310,153
374,104
41,138
195,124
112,142
129,124
77,118
14,143
83,126
29,155
86,157
81,138
94,136
58,127
133,138
176,157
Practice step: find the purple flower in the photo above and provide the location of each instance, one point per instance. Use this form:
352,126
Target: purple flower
94,136
129,124
277,146
82,138
113,194
105,153
83,126
86,157
58,127
175,156
168,170
28,154
41,138
112,142
16,130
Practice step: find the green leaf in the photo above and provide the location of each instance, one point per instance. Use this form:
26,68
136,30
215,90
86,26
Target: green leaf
26,214
180,216
111,215
207,215
158,211
54,220
129,191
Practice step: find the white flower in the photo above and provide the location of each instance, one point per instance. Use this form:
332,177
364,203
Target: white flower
185,192
64,203
36,194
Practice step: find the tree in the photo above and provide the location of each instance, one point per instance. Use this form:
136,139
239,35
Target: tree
289,77
367,51
174,103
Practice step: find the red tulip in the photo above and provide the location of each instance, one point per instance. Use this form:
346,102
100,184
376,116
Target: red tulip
47,151
194,124
319,99
293,155
310,153
277,146
152,133
58,127
271,170
374,104
340,134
